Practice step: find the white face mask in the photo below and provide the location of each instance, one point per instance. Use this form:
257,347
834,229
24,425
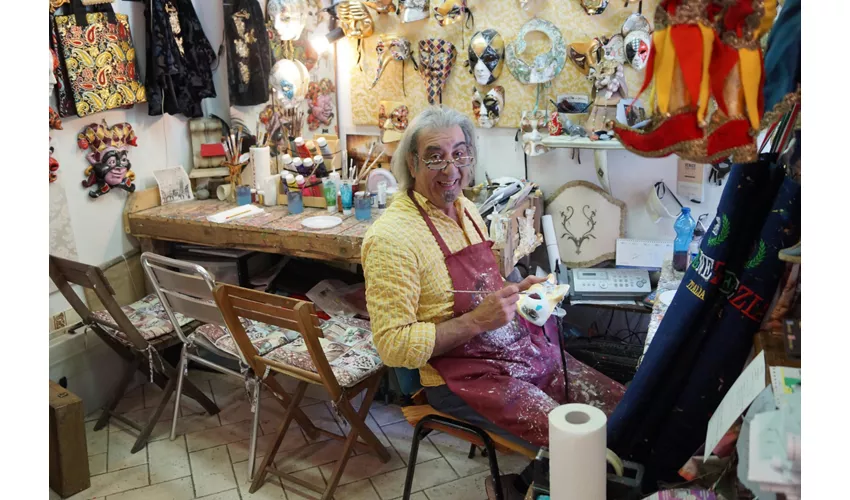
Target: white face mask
541,301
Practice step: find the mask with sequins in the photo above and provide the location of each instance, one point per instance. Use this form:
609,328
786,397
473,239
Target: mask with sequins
486,56
390,48
392,120
436,58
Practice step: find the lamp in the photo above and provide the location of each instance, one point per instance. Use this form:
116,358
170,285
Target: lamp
322,42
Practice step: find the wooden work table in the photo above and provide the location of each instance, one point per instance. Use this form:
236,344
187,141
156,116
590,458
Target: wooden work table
274,231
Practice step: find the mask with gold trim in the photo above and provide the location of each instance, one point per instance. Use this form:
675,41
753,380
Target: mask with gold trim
382,6
486,56
392,120
391,47
488,109
355,20
594,7
586,55
449,11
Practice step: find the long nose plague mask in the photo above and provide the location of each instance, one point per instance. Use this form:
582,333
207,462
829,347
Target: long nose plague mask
413,10
542,300
531,123
436,58
486,56
698,54
289,16
392,48
488,109
545,66
392,120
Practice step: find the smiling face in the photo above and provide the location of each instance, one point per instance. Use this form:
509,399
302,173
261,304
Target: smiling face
441,188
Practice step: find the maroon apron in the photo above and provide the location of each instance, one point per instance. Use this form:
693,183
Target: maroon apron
513,375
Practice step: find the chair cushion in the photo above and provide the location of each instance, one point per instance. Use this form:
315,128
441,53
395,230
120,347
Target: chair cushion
348,348
264,337
147,315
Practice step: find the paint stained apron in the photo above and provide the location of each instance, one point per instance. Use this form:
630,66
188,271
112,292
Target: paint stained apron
512,375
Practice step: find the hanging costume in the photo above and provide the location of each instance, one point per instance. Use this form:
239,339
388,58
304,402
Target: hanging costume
248,56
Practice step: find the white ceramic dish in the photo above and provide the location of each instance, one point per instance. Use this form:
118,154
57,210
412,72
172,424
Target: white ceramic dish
380,174
321,222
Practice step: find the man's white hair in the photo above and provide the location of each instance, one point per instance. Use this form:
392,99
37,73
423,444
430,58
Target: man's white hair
433,118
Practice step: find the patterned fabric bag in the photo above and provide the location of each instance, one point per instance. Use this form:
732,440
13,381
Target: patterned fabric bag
64,98
100,59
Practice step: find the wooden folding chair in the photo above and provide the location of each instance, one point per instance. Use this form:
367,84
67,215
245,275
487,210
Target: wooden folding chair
236,303
187,288
142,352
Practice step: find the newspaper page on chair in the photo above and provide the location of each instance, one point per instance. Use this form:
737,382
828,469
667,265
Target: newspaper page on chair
588,222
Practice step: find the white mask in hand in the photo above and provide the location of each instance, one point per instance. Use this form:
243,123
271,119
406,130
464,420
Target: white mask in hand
542,300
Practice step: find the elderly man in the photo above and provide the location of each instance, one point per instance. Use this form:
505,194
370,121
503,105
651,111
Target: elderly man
476,358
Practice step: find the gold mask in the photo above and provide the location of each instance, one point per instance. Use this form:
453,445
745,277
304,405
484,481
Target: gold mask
586,55
355,20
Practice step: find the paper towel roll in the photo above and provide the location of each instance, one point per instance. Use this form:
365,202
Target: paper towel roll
577,448
261,160
551,240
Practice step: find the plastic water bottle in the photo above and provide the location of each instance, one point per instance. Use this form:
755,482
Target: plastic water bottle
684,227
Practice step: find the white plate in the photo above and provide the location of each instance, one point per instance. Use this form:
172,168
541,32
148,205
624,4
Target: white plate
321,222
380,174
667,297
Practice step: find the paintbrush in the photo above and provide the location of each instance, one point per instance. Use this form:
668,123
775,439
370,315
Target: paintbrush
369,168
483,292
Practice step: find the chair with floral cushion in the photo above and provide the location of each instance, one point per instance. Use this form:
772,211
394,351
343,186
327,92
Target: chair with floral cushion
138,333
185,288
339,357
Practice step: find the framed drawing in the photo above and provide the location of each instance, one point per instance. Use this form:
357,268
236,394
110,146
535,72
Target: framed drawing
588,222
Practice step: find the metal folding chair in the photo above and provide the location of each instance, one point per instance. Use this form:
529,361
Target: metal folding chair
187,288
139,341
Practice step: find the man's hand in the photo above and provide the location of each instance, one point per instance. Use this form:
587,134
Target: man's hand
528,281
496,310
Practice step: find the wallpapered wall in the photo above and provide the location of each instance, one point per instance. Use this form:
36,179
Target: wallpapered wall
506,17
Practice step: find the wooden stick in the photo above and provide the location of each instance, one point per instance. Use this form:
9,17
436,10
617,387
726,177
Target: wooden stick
479,293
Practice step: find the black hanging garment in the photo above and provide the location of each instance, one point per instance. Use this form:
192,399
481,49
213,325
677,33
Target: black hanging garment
248,56
180,57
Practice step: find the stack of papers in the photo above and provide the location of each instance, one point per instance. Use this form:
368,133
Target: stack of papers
774,454
235,214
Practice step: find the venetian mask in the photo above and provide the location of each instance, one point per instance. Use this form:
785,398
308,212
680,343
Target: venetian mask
392,120
355,20
593,7
638,44
382,6
636,22
109,164
586,55
608,79
413,10
532,7
390,48
531,125
289,79
290,17
436,58
488,109
486,56
546,66
449,11
615,49
542,299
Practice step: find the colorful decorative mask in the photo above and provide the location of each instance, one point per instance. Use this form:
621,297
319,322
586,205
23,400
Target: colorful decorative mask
436,58
109,166
593,7
382,6
546,66
608,79
542,299
586,55
638,44
289,17
414,10
530,125
486,56
488,109
320,100
392,120
390,48
289,79
355,20
615,49
636,22
449,11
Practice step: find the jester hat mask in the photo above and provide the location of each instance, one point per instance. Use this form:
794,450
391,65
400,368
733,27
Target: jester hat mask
486,56
109,166
436,58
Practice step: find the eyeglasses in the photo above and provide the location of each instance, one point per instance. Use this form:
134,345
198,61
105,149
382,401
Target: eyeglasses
439,164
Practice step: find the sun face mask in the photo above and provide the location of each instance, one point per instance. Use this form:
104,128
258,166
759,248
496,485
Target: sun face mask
290,17
355,20
392,120
486,56
413,10
436,58
541,300
391,48
531,125
546,66
488,109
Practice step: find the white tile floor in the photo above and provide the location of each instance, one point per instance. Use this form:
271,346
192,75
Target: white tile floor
209,457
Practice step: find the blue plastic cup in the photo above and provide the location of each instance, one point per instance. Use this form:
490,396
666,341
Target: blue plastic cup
362,206
295,201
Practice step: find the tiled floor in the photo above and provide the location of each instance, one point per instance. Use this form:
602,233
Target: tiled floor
209,457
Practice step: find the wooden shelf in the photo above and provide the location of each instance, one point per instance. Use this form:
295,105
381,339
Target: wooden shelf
566,141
